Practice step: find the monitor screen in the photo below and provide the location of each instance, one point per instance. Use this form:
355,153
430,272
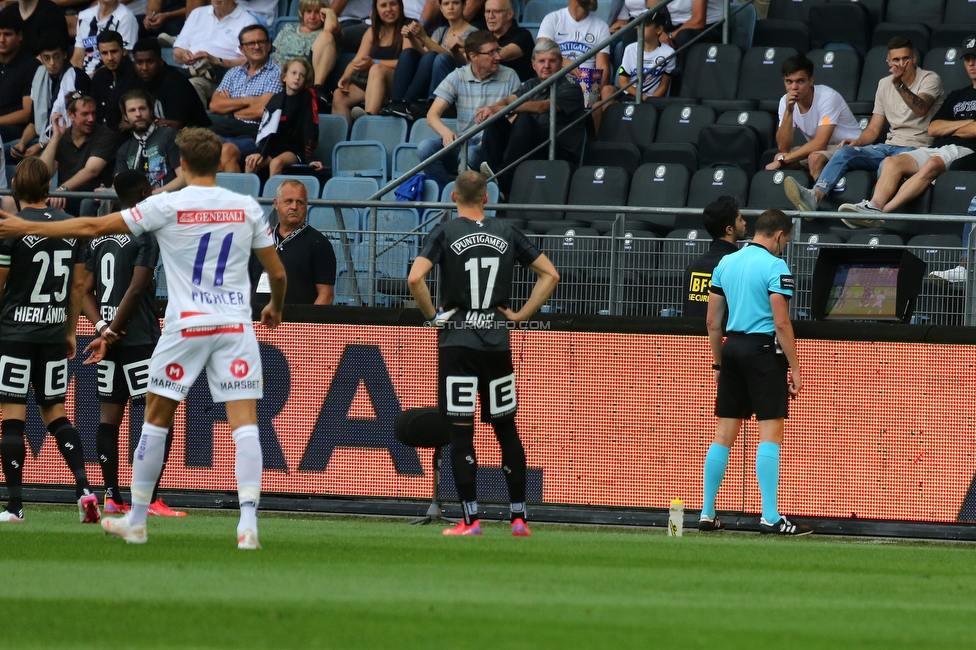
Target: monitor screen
863,290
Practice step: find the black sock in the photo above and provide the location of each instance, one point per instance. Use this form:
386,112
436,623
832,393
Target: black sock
13,451
169,445
107,446
69,444
513,465
465,466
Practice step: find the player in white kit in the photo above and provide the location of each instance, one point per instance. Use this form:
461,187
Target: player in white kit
206,235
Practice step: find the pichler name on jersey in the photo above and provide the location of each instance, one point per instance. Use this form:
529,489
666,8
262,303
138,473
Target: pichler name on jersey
41,314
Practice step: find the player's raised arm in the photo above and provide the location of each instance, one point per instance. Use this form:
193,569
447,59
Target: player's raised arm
84,227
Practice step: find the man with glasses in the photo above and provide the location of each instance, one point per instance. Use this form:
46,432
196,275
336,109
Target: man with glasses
516,42
209,44
479,84
239,101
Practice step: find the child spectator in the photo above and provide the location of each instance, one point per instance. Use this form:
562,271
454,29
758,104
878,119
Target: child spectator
659,62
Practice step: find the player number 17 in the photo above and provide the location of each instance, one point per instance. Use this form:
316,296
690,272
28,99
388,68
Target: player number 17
474,275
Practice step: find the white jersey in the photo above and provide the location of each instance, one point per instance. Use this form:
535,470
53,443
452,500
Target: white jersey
828,108
659,61
90,26
205,237
575,39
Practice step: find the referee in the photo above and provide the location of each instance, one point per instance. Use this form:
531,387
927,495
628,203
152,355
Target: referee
753,364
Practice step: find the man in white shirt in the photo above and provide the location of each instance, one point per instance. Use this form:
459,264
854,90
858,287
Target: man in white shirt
211,39
819,112
906,99
205,235
266,11
106,15
576,31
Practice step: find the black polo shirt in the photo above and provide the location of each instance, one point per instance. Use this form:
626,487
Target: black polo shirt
108,88
15,82
175,98
308,259
101,143
47,18
698,278
523,38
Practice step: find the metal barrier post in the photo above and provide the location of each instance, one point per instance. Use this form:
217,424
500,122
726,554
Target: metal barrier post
616,232
725,24
639,86
970,299
347,254
552,122
373,220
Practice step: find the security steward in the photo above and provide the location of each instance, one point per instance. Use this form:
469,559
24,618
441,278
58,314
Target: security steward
753,365
725,224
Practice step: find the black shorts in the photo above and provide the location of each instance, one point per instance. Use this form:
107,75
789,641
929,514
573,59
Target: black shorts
45,365
124,373
753,379
465,373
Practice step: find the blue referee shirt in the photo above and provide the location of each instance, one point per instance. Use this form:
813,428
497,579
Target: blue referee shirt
746,278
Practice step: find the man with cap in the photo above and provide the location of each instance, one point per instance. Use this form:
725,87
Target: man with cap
954,130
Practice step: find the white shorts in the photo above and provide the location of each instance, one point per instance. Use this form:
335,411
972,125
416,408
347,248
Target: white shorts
229,352
949,154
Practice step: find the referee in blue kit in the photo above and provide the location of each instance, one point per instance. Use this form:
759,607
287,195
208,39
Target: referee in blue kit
753,365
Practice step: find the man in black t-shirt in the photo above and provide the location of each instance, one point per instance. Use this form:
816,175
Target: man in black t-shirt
120,301
954,130
43,20
149,149
477,259
725,224
307,254
16,74
113,79
177,104
515,42
41,280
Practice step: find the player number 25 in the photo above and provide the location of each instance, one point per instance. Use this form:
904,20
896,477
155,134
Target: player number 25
59,269
474,275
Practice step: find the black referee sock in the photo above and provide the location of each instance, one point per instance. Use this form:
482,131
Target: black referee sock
465,466
13,450
513,465
107,446
169,445
69,444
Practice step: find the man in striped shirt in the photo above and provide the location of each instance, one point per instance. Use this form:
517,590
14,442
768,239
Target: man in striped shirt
479,84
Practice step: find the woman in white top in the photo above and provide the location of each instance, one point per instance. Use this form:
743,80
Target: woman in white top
692,15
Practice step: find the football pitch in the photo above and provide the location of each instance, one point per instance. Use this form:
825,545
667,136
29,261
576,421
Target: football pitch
349,582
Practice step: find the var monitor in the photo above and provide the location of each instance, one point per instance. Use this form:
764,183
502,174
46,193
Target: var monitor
866,284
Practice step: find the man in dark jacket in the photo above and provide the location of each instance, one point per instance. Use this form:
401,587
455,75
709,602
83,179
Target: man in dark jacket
725,224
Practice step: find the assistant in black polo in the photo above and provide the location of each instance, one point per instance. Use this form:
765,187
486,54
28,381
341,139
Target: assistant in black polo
752,365
725,224
307,254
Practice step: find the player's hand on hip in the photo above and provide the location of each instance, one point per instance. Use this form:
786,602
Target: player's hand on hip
442,317
510,315
96,351
270,317
795,383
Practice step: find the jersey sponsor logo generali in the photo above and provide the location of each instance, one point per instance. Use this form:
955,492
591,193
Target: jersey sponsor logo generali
479,239
209,216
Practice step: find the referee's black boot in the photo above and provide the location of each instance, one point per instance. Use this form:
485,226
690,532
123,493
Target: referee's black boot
783,527
706,525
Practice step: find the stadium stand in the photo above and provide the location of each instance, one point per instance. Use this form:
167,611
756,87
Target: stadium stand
361,158
712,73
248,184
389,131
736,145
761,78
618,154
848,23
633,123
682,123
762,122
839,69
766,188
659,186
679,153
542,182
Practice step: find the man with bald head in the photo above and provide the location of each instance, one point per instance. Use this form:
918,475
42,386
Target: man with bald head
516,42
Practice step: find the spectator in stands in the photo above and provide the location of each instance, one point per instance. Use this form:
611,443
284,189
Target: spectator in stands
325,51
17,69
577,31
505,142
266,11
209,44
165,17
907,99
83,154
658,61
52,81
725,224
516,42
106,15
42,20
413,80
239,101
289,130
690,17
352,15
150,149
477,85
819,112
369,76
307,254
139,9
113,79
954,130
177,103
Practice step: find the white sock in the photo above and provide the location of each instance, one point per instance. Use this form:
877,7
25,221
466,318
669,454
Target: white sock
146,467
248,465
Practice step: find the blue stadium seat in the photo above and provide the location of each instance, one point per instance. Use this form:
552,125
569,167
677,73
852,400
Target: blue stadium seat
248,184
391,131
536,10
422,131
280,21
362,158
404,159
492,197
347,188
311,183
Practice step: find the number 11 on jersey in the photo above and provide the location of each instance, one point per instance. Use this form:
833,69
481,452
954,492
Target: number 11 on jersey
201,259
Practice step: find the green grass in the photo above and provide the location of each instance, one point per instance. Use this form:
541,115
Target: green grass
378,583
